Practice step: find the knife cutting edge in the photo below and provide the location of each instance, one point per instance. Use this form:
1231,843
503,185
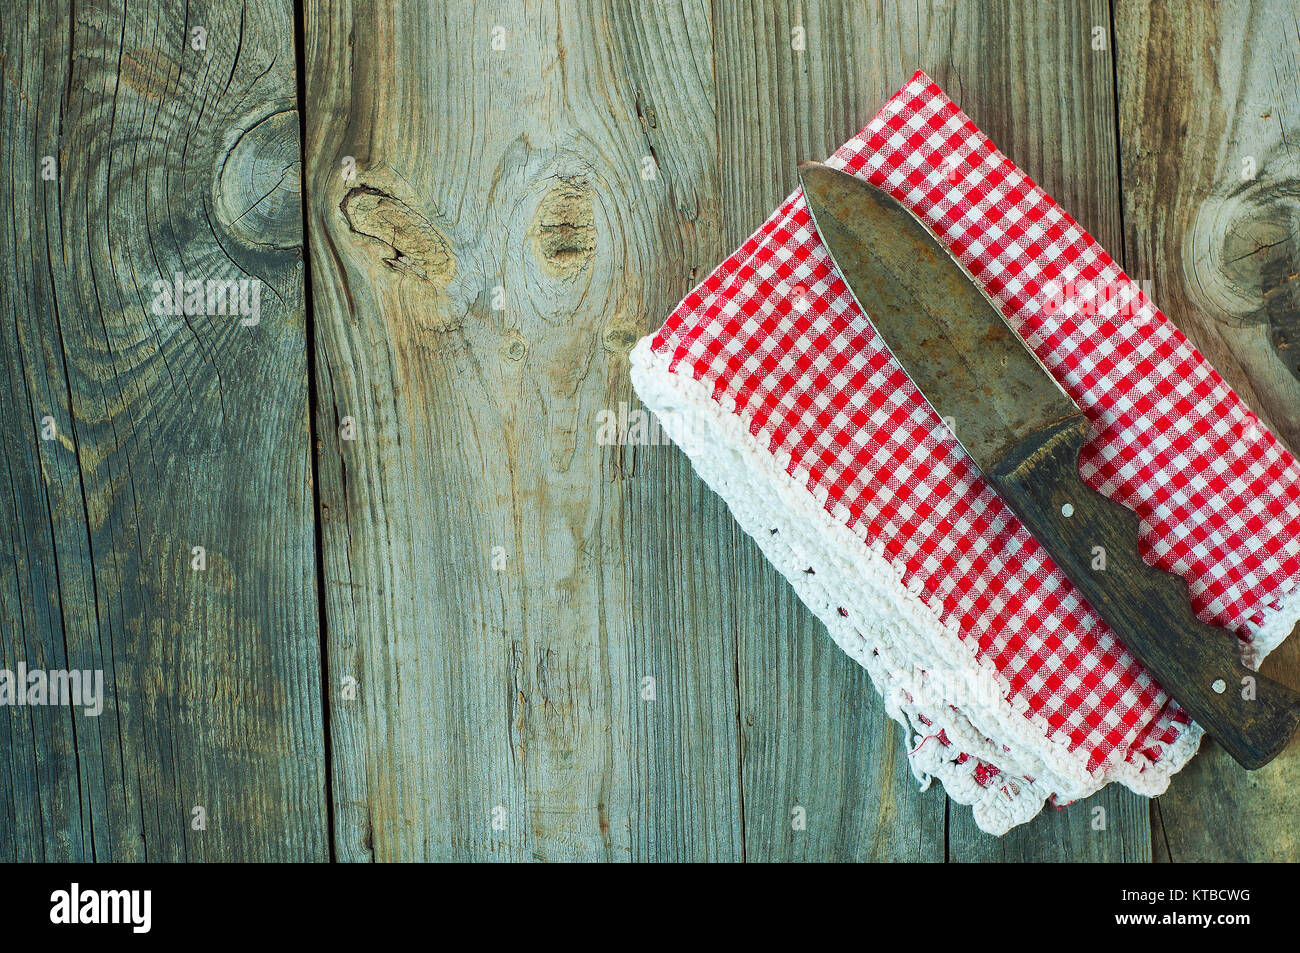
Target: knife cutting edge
1025,434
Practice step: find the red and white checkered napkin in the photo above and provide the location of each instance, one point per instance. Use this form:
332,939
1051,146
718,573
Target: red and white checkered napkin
1010,688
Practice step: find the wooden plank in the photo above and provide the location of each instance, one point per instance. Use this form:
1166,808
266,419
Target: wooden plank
678,534
167,431
477,284
816,736
1028,75
1208,110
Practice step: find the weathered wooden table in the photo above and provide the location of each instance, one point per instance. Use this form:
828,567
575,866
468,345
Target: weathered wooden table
362,580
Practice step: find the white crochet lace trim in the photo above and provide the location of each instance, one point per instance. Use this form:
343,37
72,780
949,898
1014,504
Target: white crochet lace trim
897,634
1276,625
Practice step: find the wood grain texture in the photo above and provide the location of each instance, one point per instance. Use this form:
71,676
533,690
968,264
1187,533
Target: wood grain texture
584,176
520,215
165,432
1208,99
815,734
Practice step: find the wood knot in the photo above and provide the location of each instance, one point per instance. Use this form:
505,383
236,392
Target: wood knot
564,229
515,346
257,191
1240,254
418,248
621,334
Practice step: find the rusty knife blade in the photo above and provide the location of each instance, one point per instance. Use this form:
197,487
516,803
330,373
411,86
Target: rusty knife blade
975,371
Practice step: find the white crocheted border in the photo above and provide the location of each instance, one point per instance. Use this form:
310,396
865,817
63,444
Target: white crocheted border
919,665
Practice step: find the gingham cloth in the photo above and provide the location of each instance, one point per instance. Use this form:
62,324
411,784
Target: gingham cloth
797,387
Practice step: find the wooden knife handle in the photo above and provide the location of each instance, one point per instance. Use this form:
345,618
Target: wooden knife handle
1149,610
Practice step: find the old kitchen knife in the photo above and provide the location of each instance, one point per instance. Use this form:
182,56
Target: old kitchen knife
1025,434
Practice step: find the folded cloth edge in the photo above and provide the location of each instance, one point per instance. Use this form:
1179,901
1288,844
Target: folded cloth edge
883,616
734,464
